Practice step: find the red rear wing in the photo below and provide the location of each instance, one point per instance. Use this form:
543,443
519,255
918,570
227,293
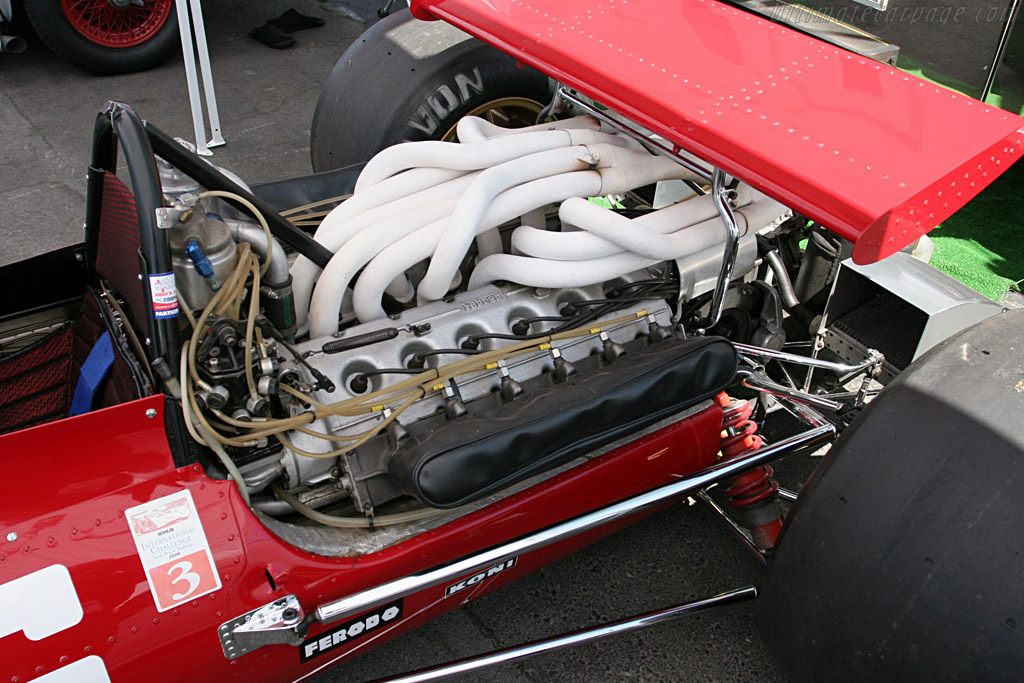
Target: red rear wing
876,155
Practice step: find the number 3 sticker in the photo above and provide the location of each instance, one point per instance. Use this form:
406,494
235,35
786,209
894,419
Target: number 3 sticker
173,548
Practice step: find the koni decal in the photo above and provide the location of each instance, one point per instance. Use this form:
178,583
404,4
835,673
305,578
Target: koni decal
480,576
350,630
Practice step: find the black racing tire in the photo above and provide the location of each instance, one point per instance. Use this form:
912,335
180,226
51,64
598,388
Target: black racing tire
903,558
105,36
404,80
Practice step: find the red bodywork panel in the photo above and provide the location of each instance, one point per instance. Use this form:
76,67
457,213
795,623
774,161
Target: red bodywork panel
876,155
70,482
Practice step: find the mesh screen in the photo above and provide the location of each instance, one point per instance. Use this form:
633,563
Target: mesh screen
37,383
117,254
34,383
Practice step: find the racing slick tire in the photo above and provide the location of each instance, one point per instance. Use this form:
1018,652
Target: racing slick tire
903,558
107,36
404,80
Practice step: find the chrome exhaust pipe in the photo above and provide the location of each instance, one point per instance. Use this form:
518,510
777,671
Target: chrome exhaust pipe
13,44
686,486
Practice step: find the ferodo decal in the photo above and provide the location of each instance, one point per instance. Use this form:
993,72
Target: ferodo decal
173,548
477,578
350,630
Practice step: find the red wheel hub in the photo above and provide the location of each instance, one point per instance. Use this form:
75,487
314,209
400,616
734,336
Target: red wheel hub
117,23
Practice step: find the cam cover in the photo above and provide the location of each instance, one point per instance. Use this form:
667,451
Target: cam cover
492,448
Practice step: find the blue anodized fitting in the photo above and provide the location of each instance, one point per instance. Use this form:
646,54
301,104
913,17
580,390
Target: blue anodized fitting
194,250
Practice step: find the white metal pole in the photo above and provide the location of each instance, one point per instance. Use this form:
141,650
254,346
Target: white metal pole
191,77
199,31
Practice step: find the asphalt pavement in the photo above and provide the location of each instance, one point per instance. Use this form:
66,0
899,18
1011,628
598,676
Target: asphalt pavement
266,99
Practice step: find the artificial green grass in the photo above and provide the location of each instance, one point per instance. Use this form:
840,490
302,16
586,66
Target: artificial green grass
982,245
1004,98
1008,99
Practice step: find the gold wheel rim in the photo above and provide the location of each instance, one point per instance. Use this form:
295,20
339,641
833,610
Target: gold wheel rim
508,112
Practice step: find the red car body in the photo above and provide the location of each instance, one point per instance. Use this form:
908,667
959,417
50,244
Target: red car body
106,462
853,144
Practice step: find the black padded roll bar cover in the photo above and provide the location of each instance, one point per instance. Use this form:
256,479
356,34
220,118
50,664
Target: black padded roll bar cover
117,123
477,454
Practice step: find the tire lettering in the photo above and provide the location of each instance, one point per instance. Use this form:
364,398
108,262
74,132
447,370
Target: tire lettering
443,101
464,84
425,121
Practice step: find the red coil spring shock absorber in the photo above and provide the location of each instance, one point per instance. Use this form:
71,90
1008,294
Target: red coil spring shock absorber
753,494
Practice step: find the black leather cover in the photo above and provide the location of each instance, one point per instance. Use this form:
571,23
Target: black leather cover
485,451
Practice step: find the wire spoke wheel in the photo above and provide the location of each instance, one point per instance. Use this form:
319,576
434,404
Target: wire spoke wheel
117,23
107,36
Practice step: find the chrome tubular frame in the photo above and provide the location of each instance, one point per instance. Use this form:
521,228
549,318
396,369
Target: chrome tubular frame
847,369
806,414
742,534
755,377
732,247
686,486
540,646
759,381
787,495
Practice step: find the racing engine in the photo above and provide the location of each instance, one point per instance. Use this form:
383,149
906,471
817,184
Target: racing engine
494,309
